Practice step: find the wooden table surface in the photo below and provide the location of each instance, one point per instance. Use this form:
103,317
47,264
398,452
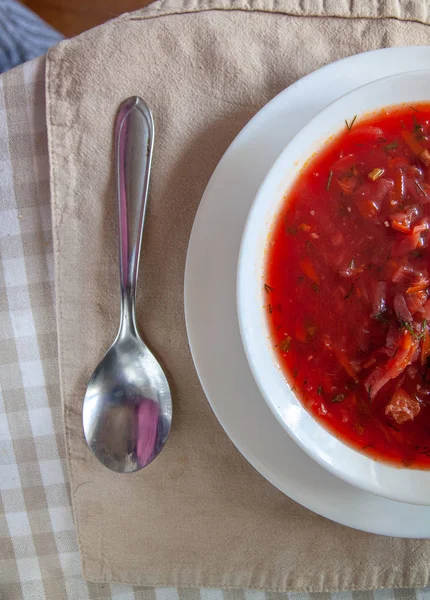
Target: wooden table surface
71,17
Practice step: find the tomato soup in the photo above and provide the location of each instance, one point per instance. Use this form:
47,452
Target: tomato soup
347,287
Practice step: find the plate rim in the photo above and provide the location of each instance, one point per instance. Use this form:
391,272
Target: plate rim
255,461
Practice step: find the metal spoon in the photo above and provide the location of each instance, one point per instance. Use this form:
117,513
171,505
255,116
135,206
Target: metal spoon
127,409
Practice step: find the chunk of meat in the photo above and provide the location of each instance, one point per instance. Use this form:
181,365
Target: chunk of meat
402,407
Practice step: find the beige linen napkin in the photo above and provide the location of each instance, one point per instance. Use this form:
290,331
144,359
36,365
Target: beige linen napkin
199,515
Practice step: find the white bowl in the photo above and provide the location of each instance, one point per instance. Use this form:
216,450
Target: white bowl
404,485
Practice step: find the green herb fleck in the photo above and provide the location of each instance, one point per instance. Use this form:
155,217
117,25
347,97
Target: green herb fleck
295,372
411,330
381,140
269,306
395,352
311,330
292,230
349,125
350,292
310,246
381,317
320,390
268,288
343,210
392,426
417,126
421,189
285,344
339,398
330,175
413,108
392,145
315,287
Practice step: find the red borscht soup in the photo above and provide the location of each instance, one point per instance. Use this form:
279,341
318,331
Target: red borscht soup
347,285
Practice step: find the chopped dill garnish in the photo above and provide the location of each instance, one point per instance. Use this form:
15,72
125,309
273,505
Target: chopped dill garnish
339,398
381,317
411,330
421,189
309,246
349,125
285,344
417,126
392,426
391,145
350,292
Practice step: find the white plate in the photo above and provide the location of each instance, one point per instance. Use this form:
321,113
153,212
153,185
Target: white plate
210,301
404,485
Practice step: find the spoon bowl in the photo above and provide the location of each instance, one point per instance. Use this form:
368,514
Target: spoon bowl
127,410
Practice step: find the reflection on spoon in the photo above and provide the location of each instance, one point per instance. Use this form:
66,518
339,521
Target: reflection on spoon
147,428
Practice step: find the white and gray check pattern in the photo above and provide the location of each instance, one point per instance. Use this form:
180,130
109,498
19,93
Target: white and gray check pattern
39,557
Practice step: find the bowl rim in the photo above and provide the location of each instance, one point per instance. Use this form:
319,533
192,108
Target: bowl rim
401,492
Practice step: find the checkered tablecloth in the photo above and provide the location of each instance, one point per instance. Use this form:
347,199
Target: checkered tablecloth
39,557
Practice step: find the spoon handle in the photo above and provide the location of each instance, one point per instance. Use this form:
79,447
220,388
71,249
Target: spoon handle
134,139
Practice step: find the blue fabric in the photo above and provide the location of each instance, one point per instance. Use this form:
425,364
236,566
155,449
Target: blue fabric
23,35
